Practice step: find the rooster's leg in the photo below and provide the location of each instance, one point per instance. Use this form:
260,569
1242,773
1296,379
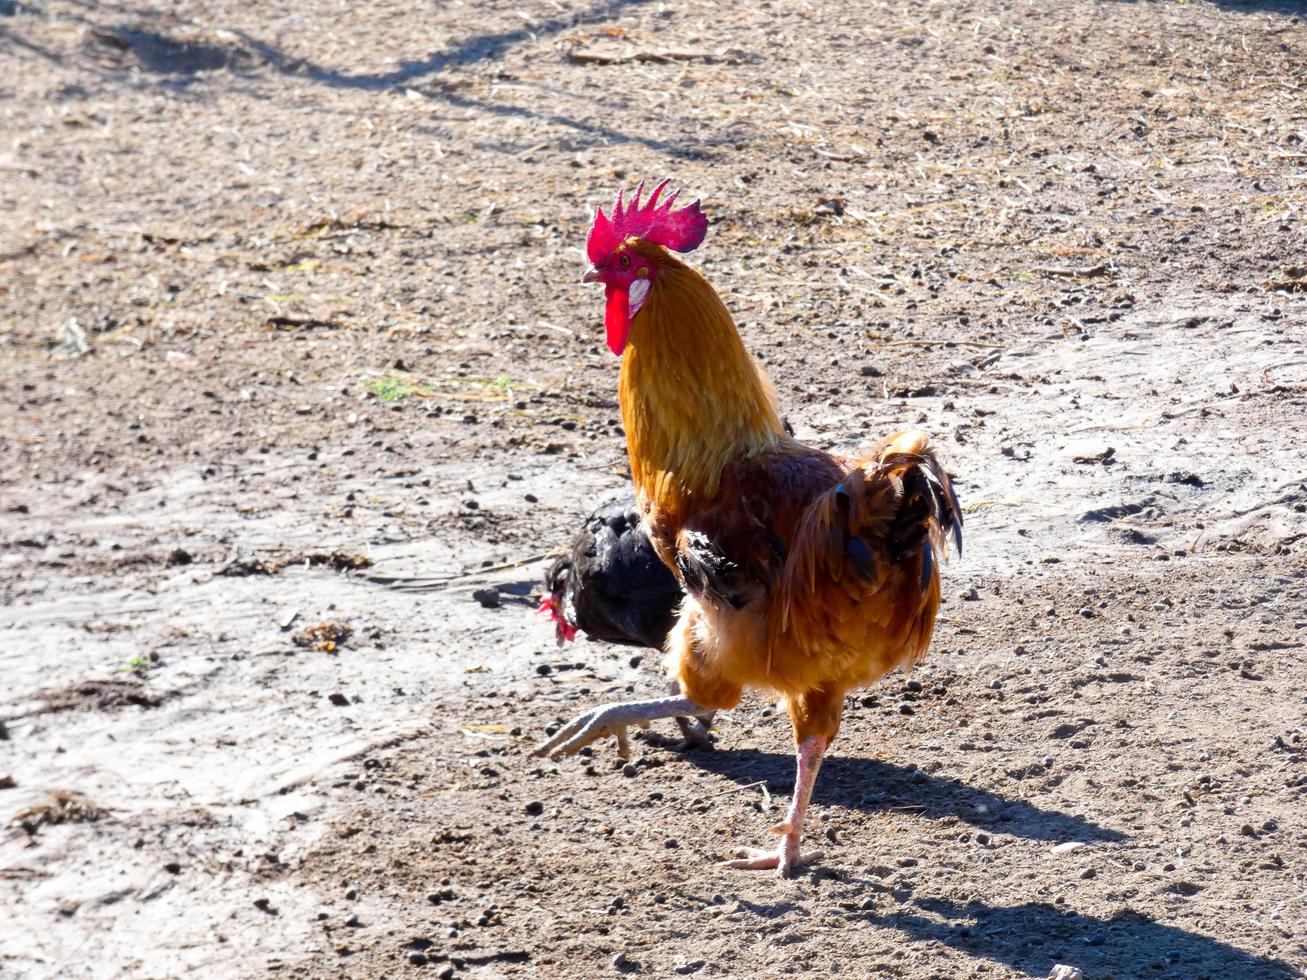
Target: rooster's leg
788,856
613,719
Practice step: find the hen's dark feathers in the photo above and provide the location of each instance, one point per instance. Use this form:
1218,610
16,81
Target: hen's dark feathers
612,586
708,573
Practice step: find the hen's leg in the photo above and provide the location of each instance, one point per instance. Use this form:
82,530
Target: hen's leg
788,856
614,719
695,732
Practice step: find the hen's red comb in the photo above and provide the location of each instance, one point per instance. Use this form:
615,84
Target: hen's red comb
681,230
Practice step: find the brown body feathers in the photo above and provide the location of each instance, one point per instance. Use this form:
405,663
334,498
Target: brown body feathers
807,573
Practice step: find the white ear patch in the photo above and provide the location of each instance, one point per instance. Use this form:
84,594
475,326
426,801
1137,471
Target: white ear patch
637,294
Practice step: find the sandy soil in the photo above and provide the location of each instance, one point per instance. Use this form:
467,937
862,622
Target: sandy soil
291,337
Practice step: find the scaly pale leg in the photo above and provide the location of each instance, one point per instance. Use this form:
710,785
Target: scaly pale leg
613,719
697,732
788,856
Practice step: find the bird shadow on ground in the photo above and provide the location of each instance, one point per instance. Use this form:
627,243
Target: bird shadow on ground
1035,936
1288,8
474,49
869,784
177,62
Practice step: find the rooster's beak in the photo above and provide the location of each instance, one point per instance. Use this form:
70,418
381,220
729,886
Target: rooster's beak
591,276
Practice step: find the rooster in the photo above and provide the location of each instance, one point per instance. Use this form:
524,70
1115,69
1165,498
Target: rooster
806,574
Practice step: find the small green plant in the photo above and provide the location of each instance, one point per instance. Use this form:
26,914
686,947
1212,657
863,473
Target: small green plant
391,387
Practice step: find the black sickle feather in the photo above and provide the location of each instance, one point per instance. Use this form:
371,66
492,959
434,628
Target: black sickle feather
839,527
778,549
934,492
945,499
956,514
861,556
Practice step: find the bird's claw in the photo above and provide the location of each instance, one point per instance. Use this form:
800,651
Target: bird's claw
784,859
590,726
612,719
696,733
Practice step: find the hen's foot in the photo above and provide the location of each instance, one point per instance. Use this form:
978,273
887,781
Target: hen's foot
696,732
613,719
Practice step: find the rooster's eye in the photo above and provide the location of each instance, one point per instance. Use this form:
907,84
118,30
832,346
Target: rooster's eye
625,262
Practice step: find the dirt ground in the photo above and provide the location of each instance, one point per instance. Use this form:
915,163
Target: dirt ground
292,336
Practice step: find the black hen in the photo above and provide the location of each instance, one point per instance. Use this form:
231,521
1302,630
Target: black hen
612,585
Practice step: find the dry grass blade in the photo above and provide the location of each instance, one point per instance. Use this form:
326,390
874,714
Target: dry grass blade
713,796
613,56
421,584
936,343
975,505
1103,270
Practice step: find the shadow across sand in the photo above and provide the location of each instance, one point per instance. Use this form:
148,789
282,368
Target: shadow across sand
1287,8
470,50
1033,937
869,784
178,62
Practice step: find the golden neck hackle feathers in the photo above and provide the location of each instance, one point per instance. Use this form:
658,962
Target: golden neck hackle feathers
693,399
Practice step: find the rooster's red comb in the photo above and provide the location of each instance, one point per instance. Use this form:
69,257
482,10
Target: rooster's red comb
681,230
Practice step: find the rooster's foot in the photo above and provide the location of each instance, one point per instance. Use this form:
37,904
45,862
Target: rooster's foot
784,859
788,856
613,719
